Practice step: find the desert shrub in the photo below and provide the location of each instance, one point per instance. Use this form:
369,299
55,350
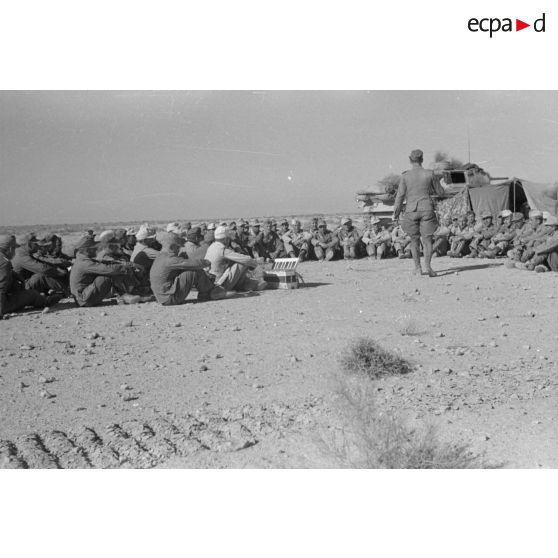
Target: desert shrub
365,356
409,326
373,439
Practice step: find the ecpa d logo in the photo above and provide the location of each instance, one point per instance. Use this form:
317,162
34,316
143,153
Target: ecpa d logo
493,25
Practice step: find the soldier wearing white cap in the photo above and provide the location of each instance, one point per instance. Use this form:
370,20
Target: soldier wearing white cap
349,239
145,251
174,228
229,268
545,239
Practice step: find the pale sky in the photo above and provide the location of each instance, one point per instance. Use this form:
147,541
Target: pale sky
77,157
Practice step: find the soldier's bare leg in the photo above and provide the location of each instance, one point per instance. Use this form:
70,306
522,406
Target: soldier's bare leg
415,251
427,245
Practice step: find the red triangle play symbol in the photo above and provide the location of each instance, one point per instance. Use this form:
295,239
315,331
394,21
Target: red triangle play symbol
519,25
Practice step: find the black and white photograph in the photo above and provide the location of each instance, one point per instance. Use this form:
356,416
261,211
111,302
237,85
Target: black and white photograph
279,279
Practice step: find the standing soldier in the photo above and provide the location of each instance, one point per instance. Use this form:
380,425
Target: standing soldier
417,186
349,239
325,243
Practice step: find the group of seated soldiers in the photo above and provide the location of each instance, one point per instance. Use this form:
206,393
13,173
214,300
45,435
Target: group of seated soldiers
137,266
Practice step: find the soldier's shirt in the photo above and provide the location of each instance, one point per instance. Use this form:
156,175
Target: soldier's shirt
85,270
25,265
416,186
165,269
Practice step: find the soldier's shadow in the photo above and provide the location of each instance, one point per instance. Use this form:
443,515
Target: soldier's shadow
461,268
311,285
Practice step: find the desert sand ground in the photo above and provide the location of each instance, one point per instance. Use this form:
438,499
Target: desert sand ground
252,381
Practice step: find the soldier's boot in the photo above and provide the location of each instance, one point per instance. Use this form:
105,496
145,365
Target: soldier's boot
540,268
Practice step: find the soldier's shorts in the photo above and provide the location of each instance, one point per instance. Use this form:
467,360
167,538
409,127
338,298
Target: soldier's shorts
419,223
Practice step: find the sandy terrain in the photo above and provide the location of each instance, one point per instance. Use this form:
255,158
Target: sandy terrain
251,381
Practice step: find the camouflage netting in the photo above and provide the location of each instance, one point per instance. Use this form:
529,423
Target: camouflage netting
458,205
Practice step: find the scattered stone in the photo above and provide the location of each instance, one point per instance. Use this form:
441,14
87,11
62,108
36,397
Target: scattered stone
493,344
203,368
46,310
93,335
46,394
178,324
218,355
129,323
46,379
526,347
26,347
125,387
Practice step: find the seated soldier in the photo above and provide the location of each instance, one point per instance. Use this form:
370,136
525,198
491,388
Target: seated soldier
271,245
461,240
326,244
145,251
38,274
376,239
255,241
240,239
229,268
173,276
500,242
349,239
401,242
441,238
53,252
194,247
296,241
541,247
13,294
129,242
209,236
523,244
483,236
92,281
548,249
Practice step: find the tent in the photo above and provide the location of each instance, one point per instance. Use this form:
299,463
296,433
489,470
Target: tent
543,197
513,194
